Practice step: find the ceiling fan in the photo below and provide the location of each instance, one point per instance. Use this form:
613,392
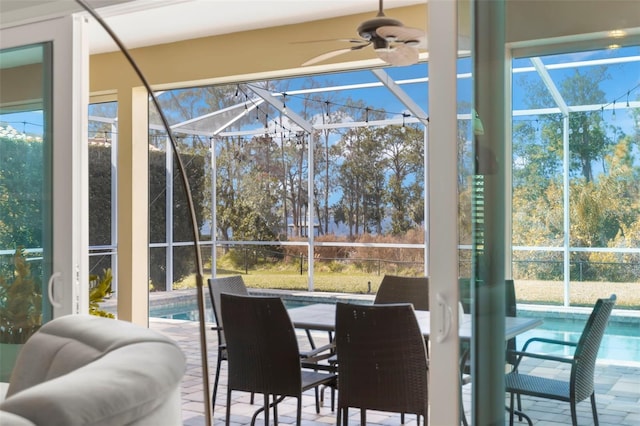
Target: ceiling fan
393,42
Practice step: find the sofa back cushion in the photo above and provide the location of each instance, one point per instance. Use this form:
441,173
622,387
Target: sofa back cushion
89,370
70,342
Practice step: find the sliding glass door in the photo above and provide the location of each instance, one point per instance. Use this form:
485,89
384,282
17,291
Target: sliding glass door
43,249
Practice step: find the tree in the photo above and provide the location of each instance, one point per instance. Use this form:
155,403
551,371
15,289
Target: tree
248,189
535,160
184,264
587,140
603,183
361,180
22,190
601,210
402,149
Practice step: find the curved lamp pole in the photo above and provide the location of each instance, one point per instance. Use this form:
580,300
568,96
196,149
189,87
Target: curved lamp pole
192,212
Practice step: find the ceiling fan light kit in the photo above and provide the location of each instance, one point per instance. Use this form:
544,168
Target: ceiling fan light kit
394,43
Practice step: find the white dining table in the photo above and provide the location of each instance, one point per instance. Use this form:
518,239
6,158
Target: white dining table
322,316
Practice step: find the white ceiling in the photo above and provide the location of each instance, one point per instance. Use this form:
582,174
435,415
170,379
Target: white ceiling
145,22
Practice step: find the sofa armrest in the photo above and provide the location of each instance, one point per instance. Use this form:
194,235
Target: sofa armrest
10,419
3,390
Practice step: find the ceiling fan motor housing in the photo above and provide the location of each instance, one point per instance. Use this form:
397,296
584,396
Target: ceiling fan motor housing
367,30
394,43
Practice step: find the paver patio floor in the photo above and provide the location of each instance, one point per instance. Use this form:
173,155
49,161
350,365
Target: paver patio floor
617,392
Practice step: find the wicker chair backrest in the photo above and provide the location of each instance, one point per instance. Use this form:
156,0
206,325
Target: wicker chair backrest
414,290
382,360
231,285
582,373
261,345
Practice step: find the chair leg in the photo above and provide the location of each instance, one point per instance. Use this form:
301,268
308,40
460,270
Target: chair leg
594,410
275,410
574,414
228,417
363,416
333,398
519,407
299,412
463,361
463,416
266,409
511,410
401,418
317,400
311,342
215,382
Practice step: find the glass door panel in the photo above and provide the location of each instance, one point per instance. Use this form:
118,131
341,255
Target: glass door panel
25,194
43,243
541,134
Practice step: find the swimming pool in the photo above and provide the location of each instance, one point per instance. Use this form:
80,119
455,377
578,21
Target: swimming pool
621,341
189,311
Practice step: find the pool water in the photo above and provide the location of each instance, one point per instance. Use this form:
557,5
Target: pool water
621,342
182,312
189,311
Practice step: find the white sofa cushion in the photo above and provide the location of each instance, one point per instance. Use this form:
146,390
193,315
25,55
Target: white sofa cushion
87,370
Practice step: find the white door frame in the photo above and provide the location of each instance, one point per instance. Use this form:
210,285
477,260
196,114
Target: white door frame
442,190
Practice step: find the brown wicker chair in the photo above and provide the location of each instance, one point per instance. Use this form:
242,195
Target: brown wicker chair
510,311
465,364
231,285
235,285
580,385
382,360
263,355
395,289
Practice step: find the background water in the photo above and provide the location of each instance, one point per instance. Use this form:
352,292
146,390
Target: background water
621,342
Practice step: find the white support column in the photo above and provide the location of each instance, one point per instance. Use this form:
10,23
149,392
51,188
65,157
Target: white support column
425,220
310,209
168,208
114,204
133,205
214,210
565,201
564,109
508,171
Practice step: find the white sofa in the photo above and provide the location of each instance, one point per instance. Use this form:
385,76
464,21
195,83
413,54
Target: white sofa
87,370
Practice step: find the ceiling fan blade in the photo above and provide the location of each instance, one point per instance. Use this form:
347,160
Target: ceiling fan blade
344,40
399,55
332,54
401,34
326,56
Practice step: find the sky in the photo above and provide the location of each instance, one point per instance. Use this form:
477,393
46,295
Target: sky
625,80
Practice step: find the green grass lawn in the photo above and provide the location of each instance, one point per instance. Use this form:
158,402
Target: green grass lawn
527,291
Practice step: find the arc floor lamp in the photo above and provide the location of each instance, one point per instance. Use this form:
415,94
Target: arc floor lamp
192,212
